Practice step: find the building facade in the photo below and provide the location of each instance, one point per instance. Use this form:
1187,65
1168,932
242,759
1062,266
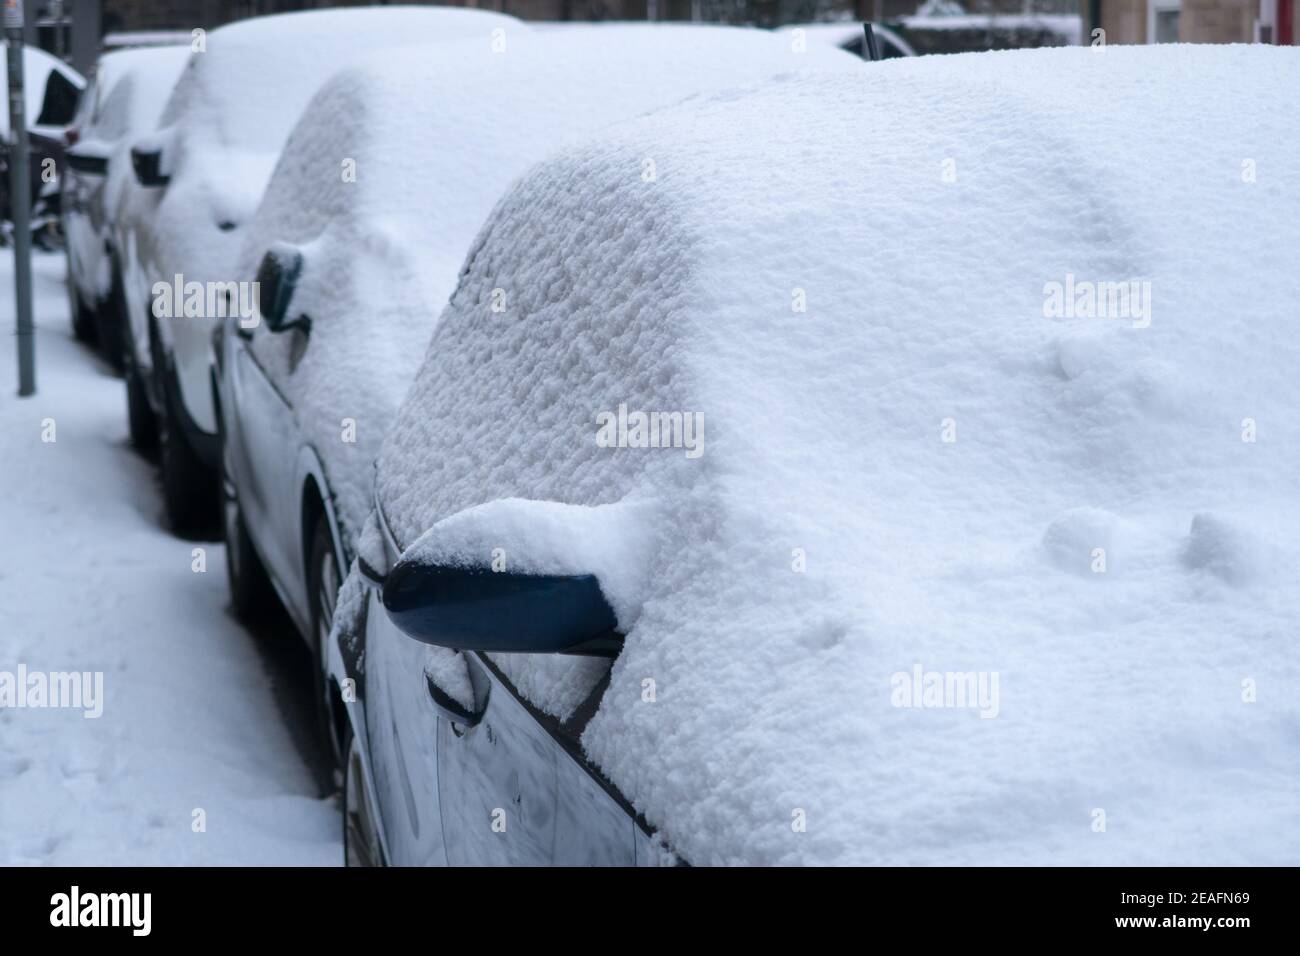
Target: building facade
1124,21
1197,21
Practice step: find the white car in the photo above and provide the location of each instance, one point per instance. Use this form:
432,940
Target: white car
52,90
354,273
905,475
204,169
124,98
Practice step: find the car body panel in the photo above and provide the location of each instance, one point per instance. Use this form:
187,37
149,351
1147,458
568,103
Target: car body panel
272,499
497,781
501,793
41,90
507,791
84,222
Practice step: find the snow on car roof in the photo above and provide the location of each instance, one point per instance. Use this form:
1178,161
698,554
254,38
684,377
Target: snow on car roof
236,91
134,86
487,112
396,164
233,107
967,570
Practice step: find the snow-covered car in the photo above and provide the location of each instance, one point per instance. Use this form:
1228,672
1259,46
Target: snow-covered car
354,263
51,92
203,171
123,99
905,475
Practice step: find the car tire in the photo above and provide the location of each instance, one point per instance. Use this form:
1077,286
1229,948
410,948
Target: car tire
324,579
190,489
250,586
140,416
84,325
361,843
110,326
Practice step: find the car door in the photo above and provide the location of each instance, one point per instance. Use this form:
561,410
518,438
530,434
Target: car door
516,790
135,217
267,438
593,826
497,781
77,190
405,784
448,792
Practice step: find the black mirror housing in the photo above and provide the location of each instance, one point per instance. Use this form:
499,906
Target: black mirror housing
277,276
87,163
476,609
147,164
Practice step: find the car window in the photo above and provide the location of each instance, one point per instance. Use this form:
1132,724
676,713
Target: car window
111,119
61,101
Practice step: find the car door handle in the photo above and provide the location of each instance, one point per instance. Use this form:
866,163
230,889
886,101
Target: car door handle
452,709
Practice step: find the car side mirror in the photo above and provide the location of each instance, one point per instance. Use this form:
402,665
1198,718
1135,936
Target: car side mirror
277,276
84,161
148,166
477,609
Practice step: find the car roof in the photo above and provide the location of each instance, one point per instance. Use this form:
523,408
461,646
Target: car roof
134,85
393,168
253,77
440,130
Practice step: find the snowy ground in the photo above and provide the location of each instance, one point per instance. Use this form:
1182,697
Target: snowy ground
198,715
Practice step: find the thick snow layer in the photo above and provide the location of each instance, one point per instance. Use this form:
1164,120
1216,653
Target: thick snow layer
230,114
134,87
244,97
149,74
393,169
89,581
912,466
221,133
546,537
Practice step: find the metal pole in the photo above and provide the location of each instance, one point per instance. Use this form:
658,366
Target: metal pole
20,197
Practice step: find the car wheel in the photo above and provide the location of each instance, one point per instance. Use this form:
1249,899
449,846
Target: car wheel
190,492
83,318
109,326
324,580
250,586
361,844
139,413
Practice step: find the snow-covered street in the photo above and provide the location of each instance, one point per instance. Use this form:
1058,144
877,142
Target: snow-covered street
203,753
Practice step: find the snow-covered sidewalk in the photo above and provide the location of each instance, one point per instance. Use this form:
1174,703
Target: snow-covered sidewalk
192,760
